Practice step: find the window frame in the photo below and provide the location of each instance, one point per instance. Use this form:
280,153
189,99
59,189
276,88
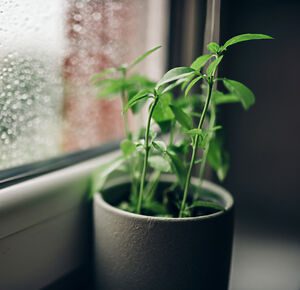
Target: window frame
28,171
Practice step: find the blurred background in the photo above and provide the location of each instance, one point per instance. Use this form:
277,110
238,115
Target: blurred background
49,109
264,142
264,145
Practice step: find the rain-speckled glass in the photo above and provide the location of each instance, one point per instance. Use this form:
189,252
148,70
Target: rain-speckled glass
48,52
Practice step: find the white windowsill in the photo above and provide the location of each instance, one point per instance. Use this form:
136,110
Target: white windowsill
44,226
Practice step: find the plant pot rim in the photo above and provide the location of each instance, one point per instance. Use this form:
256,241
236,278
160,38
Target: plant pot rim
223,193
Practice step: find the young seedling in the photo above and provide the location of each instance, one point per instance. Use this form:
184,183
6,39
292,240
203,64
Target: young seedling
118,82
177,117
123,85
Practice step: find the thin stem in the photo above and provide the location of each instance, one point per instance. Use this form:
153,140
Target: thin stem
124,99
150,188
195,147
131,169
210,133
147,149
205,153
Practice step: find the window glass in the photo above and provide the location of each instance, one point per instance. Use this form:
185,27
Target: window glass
48,52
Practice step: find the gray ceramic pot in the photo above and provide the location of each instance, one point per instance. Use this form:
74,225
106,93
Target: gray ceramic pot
136,252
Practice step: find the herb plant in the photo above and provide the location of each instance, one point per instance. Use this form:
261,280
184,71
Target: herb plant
191,121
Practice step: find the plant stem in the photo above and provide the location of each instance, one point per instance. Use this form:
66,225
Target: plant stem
147,149
131,169
124,99
205,153
150,188
195,147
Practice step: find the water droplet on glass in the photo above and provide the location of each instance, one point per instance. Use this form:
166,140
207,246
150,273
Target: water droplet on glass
96,16
77,27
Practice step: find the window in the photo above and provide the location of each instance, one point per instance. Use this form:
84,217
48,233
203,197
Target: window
48,52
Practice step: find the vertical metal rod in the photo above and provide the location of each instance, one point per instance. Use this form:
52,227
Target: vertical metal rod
212,23
211,33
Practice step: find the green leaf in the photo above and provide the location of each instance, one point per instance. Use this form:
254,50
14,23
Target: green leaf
136,83
200,62
245,95
209,204
143,56
140,82
213,66
220,98
194,132
204,139
111,87
203,136
173,85
138,97
191,84
140,145
100,176
187,81
180,149
162,111
152,135
96,77
137,107
181,117
159,163
151,186
213,47
155,208
206,135
175,74
218,158
127,147
244,37
160,146
186,212
178,167
215,128
124,205
195,114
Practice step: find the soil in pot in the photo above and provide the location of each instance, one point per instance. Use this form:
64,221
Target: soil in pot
165,200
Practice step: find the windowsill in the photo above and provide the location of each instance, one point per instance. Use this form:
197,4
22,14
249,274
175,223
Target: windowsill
45,226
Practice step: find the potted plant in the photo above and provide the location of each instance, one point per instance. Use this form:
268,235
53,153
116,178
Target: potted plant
156,226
